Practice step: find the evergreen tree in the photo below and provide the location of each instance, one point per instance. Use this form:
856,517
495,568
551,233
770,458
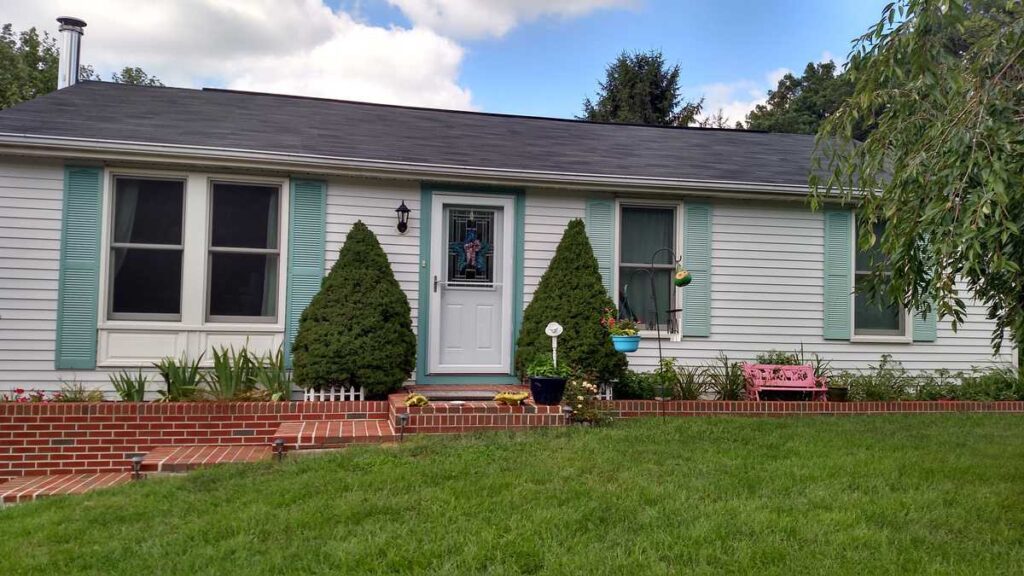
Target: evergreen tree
357,331
798,105
640,88
571,293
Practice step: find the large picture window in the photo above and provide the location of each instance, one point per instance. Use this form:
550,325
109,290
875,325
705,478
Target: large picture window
146,249
244,252
643,231
872,317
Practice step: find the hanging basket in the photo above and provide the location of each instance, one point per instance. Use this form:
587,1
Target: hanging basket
682,277
626,344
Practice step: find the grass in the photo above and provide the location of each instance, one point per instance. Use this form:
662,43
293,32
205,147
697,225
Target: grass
932,494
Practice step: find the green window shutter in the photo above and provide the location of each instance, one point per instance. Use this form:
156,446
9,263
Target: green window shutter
601,231
924,327
78,284
697,259
838,273
307,216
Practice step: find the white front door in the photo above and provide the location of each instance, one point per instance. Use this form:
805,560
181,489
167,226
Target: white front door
471,284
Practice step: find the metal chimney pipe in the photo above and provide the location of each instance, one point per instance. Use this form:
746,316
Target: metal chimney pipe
70,50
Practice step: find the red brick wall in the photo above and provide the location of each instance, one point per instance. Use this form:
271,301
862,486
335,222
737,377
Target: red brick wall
444,418
71,437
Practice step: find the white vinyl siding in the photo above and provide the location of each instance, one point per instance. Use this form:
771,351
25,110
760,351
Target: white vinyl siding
374,202
547,215
767,277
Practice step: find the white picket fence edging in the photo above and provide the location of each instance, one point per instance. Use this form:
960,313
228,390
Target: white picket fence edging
604,392
334,394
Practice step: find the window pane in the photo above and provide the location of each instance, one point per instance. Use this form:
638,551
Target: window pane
871,318
635,296
867,259
146,281
645,230
244,216
148,211
243,284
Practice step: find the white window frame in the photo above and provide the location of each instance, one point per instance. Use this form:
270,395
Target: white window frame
677,240
111,245
906,338
210,249
193,333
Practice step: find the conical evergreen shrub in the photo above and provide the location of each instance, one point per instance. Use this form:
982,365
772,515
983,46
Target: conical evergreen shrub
357,331
571,293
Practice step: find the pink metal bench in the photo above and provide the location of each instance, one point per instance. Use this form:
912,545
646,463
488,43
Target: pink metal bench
775,377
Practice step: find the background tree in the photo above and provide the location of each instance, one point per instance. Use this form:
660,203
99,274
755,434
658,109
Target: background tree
943,84
640,88
29,62
571,293
28,65
357,330
798,105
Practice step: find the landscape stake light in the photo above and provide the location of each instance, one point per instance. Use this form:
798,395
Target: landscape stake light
403,420
567,411
279,449
403,217
137,467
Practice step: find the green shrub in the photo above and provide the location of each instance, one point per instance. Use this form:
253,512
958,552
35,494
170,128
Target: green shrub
636,386
938,385
181,378
778,357
233,375
726,379
357,331
581,396
130,387
886,382
981,385
571,293
273,378
543,367
690,383
75,391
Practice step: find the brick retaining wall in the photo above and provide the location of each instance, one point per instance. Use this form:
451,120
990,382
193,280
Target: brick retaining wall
90,438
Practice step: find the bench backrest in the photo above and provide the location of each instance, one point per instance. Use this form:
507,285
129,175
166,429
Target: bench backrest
780,376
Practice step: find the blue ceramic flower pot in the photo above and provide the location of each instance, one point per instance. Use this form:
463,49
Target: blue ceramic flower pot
626,343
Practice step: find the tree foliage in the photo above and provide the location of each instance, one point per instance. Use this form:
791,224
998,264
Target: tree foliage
640,88
357,331
29,63
798,105
571,293
943,84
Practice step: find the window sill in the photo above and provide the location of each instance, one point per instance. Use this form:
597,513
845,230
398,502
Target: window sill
867,339
169,326
652,335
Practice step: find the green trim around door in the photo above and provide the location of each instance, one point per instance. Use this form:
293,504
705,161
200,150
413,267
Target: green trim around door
427,190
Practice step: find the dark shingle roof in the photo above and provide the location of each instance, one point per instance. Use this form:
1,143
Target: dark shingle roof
329,128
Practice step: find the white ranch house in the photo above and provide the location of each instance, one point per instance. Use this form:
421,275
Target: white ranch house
139,222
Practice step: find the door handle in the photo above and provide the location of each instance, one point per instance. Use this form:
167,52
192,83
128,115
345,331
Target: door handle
435,283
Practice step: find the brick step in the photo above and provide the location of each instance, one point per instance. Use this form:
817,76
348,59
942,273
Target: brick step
334,433
185,458
27,488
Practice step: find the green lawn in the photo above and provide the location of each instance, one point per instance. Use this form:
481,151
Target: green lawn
937,494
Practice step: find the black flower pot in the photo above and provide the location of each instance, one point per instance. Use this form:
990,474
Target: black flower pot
547,391
838,394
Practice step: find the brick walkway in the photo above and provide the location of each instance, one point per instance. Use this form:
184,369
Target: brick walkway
27,488
328,433
185,458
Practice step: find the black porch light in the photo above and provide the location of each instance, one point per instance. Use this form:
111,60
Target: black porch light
403,217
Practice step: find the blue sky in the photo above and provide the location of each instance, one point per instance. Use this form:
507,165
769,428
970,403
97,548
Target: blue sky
547,66
539,57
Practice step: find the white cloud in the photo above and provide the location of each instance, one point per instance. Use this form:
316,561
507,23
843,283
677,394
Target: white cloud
296,47
736,99
482,18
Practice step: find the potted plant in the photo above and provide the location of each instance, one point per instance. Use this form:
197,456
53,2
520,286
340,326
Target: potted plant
625,336
547,380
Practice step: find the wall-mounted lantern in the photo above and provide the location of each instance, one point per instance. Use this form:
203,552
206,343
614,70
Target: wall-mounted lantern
403,217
